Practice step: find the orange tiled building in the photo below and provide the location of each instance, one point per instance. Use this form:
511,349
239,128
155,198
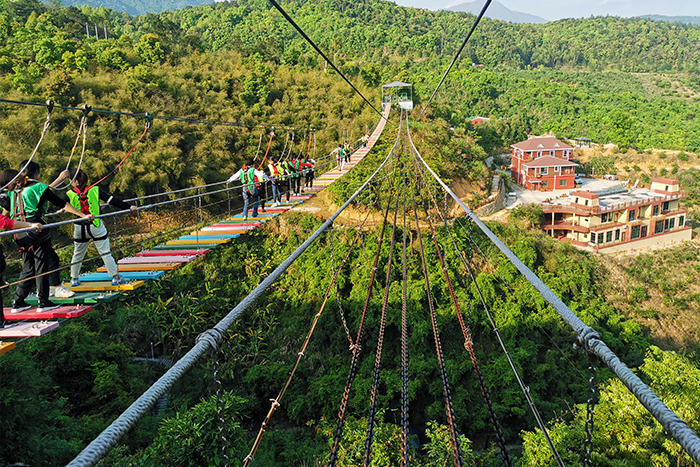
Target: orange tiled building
542,163
620,219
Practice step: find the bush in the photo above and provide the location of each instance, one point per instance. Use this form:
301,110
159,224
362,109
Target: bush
683,156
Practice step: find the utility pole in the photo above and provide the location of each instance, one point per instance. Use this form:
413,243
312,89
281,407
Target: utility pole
105,28
87,30
96,34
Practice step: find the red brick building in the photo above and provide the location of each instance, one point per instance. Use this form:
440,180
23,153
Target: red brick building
542,163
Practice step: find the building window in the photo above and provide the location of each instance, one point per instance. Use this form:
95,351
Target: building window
635,232
544,184
556,169
656,210
608,236
632,215
665,206
681,221
586,202
605,217
644,231
544,170
593,238
562,182
659,228
671,223
617,234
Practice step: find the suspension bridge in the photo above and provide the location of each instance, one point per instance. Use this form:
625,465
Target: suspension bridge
407,183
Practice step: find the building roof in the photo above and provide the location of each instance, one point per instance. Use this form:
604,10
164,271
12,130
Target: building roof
666,181
549,161
397,84
541,143
585,194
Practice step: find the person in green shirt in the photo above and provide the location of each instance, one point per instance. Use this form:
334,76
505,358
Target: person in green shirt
87,200
28,200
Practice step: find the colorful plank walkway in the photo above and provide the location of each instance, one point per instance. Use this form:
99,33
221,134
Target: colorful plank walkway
96,287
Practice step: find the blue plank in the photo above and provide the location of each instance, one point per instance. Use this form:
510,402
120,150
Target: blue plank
204,237
134,276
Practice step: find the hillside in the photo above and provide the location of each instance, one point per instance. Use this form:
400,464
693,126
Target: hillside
243,69
137,7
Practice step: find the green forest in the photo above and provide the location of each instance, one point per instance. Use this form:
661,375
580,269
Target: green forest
631,82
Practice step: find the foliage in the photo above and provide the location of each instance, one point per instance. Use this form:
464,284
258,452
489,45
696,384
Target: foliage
625,433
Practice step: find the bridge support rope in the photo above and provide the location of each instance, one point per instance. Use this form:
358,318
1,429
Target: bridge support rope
589,339
208,341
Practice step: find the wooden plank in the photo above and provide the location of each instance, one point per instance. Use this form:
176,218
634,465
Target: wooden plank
175,248
182,252
89,298
245,225
204,241
6,347
32,329
133,276
144,267
157,259
102,286
67,311
214,235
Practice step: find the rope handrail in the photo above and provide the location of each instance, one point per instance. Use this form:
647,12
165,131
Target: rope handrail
207,341
154,117
590,339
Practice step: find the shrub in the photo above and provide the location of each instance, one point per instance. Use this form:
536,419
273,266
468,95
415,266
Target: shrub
683,156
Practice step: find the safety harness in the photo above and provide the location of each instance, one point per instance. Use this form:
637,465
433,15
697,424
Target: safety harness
88,201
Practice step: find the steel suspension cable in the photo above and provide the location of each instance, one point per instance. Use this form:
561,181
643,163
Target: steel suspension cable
404,338
380,343
51,105
459,52
525,389
47,123
303,34
356,347
276,401
206,342
468,341
451,423
590,340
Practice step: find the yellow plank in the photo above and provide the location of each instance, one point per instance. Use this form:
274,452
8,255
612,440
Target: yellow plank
144,267
6,347
102,286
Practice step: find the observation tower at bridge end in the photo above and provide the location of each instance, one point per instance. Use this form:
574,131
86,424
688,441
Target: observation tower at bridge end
401,93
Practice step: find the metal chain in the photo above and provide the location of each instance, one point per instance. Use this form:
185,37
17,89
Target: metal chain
469,344
356,349
223,440
590,405
335,286
454,439
404,343
380,345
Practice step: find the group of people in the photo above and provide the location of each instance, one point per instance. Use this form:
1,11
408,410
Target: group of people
24,202
343,152
282,177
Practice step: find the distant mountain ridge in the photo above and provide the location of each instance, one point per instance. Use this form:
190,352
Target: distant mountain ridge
673,19
498,11
138,7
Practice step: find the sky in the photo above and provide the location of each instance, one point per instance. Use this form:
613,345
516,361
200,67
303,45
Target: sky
557,9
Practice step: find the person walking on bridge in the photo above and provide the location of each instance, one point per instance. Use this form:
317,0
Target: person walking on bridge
247,175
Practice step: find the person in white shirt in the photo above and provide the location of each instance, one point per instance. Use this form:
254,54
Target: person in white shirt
250,178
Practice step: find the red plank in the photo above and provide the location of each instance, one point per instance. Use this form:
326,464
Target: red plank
69,311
